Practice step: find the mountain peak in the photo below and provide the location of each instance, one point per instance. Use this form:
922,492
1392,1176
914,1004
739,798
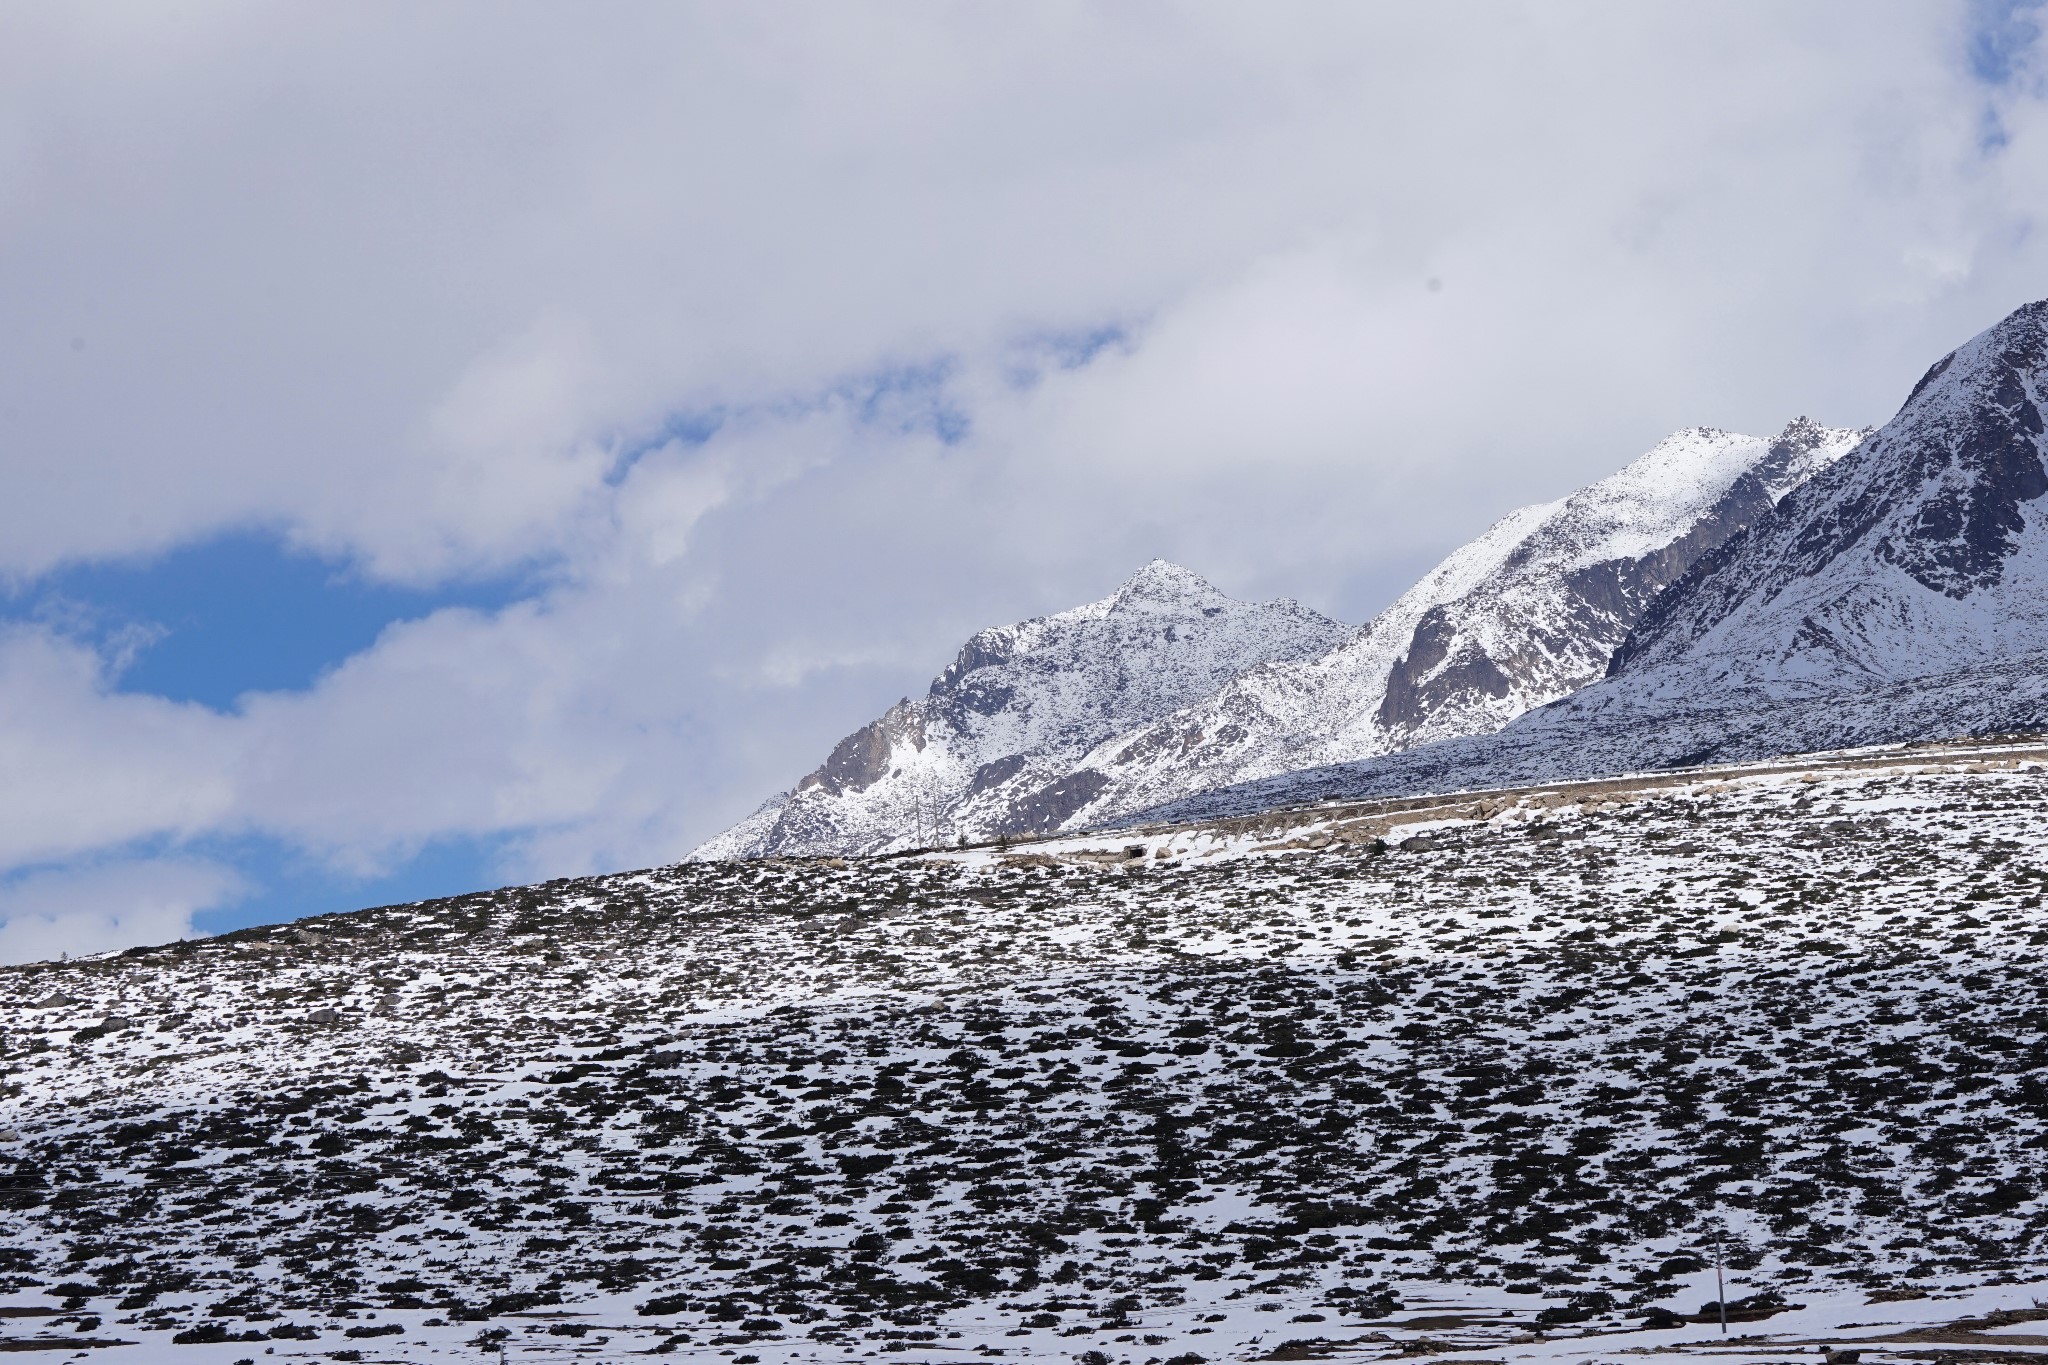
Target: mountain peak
1915,554
1984,364
1161,580
992,746
1802,433
1800,451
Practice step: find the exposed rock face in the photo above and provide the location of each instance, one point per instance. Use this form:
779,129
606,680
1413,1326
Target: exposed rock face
1900,593
864,757
992,747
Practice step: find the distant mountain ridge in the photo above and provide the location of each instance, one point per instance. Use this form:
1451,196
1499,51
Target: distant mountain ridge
1169,688
1899,594
1529,612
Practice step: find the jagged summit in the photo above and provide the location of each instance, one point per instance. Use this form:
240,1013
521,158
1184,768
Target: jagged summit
991,745
1159,587
1163,583
1796,454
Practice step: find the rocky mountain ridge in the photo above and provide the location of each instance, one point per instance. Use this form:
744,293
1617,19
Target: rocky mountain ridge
986,749
1169,688
1527,613
1899,594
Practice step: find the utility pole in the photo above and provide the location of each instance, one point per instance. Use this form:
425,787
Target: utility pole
1720,1280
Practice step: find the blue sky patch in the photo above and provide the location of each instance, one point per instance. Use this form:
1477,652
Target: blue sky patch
692,428
236,613
2002,34
288,885
912,398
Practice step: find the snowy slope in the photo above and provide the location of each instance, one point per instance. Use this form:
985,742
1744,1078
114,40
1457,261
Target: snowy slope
1901,593
1385,1096
986,750
1525,614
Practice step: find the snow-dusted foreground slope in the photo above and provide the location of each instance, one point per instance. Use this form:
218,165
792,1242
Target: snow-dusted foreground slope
1169,688
1407,1094
986,749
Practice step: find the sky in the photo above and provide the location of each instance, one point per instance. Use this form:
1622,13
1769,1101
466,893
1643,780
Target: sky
447,446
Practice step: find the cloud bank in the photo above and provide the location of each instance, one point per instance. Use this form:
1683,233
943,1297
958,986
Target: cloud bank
772,359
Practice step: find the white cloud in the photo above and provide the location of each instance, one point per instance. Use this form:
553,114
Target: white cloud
424,303
88,768
405,303
510,455
100,907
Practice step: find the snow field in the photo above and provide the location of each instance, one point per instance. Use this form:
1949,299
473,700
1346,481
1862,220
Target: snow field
1208,1103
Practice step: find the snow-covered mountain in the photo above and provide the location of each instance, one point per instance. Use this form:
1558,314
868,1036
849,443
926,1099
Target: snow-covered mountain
1525,614
993,746
1925,553
1169,689
1901,593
